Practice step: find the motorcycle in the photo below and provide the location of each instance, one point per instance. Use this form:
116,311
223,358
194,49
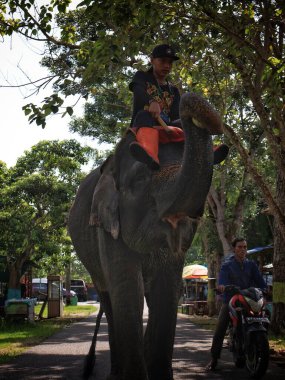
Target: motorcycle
248,338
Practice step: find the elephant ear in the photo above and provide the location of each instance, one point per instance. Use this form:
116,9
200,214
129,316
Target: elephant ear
104,208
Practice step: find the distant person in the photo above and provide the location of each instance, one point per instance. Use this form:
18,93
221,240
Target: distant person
238,271
205,292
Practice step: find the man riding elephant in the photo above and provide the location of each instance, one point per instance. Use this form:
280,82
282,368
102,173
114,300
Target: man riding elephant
155,116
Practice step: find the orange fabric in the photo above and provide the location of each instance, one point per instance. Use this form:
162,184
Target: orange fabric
176,134
148,139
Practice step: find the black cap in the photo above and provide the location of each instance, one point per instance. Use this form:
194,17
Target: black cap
162,51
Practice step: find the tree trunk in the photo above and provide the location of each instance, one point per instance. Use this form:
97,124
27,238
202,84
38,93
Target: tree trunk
278,317
14,277
214,264
67,282
218,210
14,286
15,274
211,274
227,230
211,301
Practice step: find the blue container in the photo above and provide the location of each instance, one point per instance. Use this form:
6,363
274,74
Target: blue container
13,294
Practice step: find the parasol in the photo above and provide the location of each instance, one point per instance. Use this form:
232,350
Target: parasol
195,271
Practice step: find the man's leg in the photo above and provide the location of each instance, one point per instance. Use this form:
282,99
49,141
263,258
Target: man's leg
145,148
218,338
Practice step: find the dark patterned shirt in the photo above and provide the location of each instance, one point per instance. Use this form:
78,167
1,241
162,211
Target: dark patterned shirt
146,89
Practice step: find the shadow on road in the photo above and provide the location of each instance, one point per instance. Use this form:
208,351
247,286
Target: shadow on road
62,356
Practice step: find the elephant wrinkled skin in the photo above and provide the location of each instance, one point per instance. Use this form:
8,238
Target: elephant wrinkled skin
131,228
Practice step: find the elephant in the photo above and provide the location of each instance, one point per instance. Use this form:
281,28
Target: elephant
131,228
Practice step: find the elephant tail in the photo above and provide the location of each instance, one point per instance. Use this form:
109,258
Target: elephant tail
91,357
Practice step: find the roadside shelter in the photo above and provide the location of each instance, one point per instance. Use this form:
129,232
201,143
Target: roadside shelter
195,284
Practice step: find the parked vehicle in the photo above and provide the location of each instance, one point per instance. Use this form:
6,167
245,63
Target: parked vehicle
248,328
39,289
80,288
71,293
92,293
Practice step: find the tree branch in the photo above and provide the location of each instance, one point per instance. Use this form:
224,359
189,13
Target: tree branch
50,77
257,177
49,38
237,37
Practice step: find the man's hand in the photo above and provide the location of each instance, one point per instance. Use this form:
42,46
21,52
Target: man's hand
154,109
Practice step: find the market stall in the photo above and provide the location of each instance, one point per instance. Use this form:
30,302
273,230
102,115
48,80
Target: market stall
195,281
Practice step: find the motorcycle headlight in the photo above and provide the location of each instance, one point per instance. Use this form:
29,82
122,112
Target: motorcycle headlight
255,306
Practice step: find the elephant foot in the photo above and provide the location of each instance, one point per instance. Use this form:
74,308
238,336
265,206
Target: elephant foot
161,377
160,372
113,377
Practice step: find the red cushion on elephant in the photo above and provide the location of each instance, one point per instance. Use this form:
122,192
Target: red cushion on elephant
175,135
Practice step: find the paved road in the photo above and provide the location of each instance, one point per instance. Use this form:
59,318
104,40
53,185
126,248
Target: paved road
62,355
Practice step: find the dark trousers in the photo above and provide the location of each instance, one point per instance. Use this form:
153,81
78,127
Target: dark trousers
220,331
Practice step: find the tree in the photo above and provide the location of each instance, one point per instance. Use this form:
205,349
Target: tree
35,198
101,42
106,116
251,39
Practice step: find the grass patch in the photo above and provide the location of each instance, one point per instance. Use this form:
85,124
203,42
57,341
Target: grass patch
277,343
70,311
16,337
203,321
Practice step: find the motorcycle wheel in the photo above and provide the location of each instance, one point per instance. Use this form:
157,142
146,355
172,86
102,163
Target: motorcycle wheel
257,355
237,348
238,356
239,362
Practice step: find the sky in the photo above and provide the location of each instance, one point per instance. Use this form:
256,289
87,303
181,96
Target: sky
19,58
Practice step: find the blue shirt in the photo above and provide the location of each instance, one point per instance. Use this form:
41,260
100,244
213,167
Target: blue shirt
243,275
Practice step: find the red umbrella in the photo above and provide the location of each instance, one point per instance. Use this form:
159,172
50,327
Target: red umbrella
195,271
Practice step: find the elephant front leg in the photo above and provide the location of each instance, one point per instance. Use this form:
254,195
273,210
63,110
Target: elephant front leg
128,329
159,337
125,284
106,303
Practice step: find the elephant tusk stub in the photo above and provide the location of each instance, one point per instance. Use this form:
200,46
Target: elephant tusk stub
173,220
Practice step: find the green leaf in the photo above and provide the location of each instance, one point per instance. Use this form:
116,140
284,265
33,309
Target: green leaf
69,110
54,109
47,111
39,121
27,110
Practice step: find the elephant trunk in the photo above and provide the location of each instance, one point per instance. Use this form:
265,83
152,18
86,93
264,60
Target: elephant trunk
187,192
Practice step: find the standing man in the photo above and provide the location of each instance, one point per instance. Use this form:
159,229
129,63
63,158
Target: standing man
241,272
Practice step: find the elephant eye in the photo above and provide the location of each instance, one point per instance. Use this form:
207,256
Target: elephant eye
139,181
